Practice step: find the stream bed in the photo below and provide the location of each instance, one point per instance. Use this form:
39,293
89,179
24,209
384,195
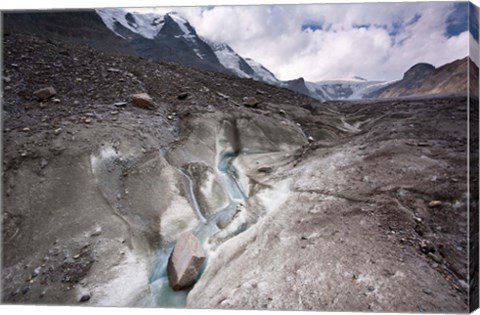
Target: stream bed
162,295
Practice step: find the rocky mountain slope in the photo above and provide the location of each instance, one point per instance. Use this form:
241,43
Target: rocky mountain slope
339,206
425,79
171,38
162,38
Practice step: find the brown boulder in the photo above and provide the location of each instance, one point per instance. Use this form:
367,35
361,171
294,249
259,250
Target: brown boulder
45,93
142,100
250,102
185,262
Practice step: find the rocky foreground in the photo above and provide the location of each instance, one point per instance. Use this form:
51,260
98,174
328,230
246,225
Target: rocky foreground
350,206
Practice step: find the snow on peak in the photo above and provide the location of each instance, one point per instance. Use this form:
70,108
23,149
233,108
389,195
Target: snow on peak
227,57
147,25
261,72
181,22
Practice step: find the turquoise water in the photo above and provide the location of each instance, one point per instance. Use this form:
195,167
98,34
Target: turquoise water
161,293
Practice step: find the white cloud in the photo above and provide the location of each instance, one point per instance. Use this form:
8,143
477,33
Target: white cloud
273,36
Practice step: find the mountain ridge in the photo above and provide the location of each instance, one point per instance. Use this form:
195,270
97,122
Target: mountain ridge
171,38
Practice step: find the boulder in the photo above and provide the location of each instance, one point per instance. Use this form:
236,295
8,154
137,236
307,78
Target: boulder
142,100
250,102
435,203
426,246
45,93
185,262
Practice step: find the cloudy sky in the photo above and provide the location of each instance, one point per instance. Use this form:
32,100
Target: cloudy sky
377,41
334,41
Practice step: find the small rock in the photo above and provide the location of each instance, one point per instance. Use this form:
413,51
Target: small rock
426,246
97,232
76,256
26,129
113,70
142,100
225,97
43,163
76,102
435,203
436,258
43,105
57,131
56,100
7,79
427,291
183,96
36,272
370,288
250,102
169,117
261,92
282,112
84,298
265,169
310,139
25,289
223,222
422,144
87,120
45,93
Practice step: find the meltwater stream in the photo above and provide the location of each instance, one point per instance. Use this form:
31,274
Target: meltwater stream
162,294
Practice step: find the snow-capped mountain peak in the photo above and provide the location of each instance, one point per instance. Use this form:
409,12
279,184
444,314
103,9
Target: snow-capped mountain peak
171,29
147,25
182,23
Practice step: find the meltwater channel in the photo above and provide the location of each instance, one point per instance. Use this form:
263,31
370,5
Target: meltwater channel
162,295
